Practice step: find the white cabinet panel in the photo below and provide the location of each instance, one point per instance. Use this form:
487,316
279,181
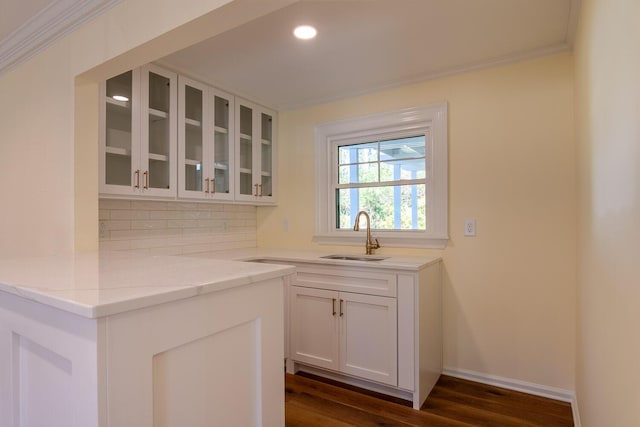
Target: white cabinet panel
314,326
368,333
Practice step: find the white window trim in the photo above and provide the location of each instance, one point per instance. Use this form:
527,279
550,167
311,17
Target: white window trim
430,120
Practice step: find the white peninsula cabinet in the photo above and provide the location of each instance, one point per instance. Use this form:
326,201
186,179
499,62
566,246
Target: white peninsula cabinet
376,328
117,340
138,133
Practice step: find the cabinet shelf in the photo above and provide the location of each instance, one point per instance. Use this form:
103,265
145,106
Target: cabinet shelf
245,170
266,173
266,142
119,151
158,157
157,114
121,104
245,138
192,162
219,129
193,123
221,166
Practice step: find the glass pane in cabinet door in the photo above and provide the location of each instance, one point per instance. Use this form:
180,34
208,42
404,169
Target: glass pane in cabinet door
159,139
246,150
221,145
266,154
193,139
118,129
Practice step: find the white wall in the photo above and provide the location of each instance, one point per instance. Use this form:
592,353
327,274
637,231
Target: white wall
608,131
509,296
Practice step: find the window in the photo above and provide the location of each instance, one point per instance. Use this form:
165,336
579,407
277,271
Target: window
370,175
391,165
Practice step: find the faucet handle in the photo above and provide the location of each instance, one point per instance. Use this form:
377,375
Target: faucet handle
377,245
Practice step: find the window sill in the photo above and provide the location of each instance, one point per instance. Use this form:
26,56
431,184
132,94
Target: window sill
385,240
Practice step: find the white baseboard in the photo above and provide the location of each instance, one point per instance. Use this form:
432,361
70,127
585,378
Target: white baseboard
522,386
576,412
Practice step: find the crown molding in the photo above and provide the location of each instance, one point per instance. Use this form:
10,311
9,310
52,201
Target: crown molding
45,27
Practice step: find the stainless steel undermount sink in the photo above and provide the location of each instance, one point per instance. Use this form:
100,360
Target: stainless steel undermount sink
356,257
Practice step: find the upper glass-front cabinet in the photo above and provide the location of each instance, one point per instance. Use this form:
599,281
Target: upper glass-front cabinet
205,136
255,151
138,133
167,136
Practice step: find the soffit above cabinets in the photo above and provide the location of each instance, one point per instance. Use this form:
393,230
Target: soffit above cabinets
368,45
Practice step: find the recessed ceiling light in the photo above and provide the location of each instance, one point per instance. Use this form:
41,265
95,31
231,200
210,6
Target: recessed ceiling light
120,98
305,32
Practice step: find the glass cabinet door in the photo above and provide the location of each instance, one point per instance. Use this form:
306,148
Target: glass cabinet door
191,109
222,164
256,152
119,155
158,93
266,155
245,149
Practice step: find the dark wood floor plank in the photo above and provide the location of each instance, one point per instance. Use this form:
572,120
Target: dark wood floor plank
358,402
298,415
314,402
510,398
536,410
346,415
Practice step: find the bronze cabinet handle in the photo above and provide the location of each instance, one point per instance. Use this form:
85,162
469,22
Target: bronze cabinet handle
146,180
256,193
341,312
137,175
213,185
207,188
333,305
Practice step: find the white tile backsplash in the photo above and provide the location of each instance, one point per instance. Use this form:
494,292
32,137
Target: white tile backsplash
175,228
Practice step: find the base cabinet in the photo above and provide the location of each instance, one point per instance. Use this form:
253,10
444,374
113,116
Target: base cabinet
372,327
346,332
210,360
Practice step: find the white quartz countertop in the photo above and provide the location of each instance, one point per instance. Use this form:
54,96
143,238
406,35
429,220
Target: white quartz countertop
97,285
412,263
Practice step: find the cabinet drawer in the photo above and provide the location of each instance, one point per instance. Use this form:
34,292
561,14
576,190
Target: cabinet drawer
347,279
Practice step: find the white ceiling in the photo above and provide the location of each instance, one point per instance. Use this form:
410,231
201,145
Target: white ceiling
366,45
362,45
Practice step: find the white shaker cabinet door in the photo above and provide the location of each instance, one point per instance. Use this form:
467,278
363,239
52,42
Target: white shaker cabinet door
368,336
314,327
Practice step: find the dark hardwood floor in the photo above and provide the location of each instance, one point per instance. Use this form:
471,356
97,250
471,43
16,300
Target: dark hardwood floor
315,402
